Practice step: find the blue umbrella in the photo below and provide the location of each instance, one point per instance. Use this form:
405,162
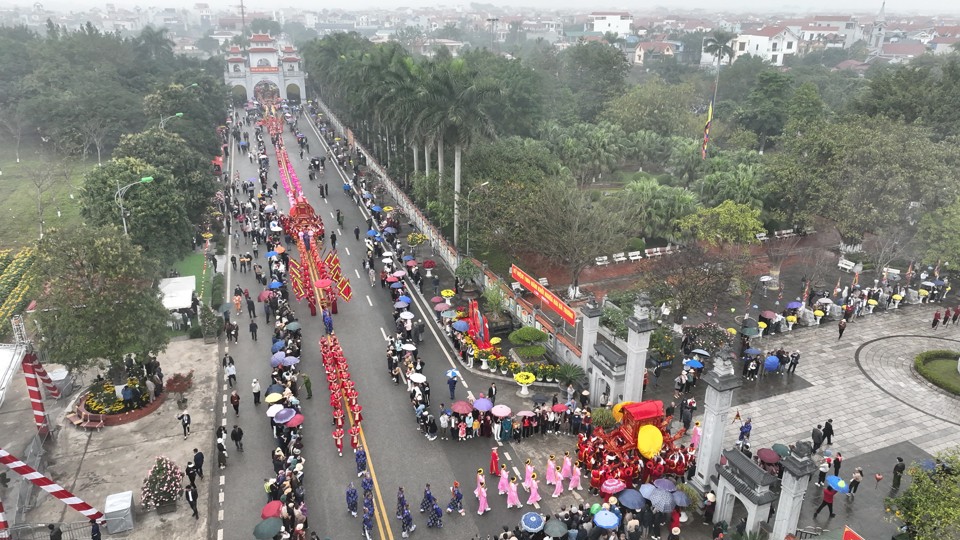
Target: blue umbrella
532,522
404,299
631,498
277,345
279,355
271,254
378,238
275,285
376,208
372,232
751,350
367,195
838,484
275,362
291,361
794,305
662,500
401,305
453,373
396,285
681,499
771,363
606,519
647,489
695,364
390,230
938,282
928,465
407,258
460,326
285,416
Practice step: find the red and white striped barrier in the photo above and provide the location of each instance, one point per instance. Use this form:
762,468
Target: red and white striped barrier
4,527
49,486
36,400
48,385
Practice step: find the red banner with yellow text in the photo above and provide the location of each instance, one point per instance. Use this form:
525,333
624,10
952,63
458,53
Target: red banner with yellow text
551,300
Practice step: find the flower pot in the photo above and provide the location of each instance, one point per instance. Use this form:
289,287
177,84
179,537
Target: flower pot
523,390
483,364
539,378
790,326
428,273
870,309
896,304
816,320
503,371
167,508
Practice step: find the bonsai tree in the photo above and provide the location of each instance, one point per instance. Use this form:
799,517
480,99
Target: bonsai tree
163,485
493,299
179,384
468,271
528,342
567,373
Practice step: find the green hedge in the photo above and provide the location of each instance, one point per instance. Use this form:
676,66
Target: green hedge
939,367
218,290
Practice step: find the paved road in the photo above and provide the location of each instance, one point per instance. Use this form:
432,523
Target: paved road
399,455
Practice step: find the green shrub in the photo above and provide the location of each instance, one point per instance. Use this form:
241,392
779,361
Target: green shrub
615,320
218,291
940,368
603,417
637,244
195,332
570,374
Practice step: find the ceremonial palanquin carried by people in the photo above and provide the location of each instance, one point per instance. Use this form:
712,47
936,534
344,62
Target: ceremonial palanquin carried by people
639,450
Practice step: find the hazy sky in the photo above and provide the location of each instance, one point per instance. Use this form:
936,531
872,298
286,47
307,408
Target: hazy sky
928,7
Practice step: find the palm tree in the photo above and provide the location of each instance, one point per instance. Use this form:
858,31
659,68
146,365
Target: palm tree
154,43
719,45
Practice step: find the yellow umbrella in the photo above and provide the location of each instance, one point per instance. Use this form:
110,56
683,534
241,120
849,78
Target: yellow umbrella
273,398
761,324
732,331
649,441
818,313
618,410
447,293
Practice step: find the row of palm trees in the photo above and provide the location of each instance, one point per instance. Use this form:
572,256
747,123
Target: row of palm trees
402,103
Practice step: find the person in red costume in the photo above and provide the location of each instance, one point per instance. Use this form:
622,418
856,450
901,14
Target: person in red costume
338,439
355,438
596,479
494,461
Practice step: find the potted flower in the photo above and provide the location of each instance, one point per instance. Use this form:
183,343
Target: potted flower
791,320
484,357
513,367
896,300
817,315
179,383
524,379
429,265
503,364
538,371
162,487
762,326
871,305
548,372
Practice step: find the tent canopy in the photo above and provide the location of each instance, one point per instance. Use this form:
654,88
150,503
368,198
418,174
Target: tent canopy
178,292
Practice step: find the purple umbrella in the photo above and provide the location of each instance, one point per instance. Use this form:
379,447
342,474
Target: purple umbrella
646,490
291,361
396,285
794,305
284,416
279,355
274,362
665,484
483,404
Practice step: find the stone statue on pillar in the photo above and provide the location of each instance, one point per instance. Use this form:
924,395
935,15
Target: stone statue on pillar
721,382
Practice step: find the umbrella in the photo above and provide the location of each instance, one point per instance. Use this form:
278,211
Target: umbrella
275,388
665,484
267,529
768,314
396,285
276,228
460,326
662,501
838,484
606,519
274,409
749,331
407,258
276,362
782,450
279,355
824,301
264,296
399,273
372,232
271,510
555,529
647,489
390,230
270,254
280,249
284,416
273,398
411,264
438,300
765,279
928,465
269,209
532,522
392,279
449,314
768,455
560,407
442,306
405,299
386,260
771,363
418,378
408,347
539,399
751,350
407,315
631,498
401,305
277,345
500,411
388,254
368,195
324,283
461,407
794,305
292,327
376,208
927,284
448,293
291,361
701,352
695,364
681,499
275,285
452,373
296,420
612,485
388,209
526,413
483,404
938,282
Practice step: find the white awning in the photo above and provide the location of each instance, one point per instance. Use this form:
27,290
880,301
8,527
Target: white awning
178,292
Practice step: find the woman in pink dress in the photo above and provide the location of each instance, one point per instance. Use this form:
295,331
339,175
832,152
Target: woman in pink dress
482,495
565,471
551,470
527,475
575,478
534,488
512,498
695,437
504,479
479,482
559,489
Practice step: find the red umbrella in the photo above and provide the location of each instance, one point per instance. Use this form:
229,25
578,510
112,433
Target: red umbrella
442,306
559,407
271,510
612,485
264,296
324,283
393,279
769,315
295,421
438,299
411,264
768,455
461,407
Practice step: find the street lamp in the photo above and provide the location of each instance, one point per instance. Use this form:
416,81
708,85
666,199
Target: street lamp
470,192
121,191
172,116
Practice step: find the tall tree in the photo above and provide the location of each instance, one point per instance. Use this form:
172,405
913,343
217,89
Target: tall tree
595,72
719,46
655,106
930,506
724,225
154,43
765,111
98,298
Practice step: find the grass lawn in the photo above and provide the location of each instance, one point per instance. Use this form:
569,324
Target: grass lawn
18,213
192,265
943,373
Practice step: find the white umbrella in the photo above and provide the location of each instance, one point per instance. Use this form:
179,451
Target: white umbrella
408,347
388,254
274,409
928,284
406,315
764,279
418,378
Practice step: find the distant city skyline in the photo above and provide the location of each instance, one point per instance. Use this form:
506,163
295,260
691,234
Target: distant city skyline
928,8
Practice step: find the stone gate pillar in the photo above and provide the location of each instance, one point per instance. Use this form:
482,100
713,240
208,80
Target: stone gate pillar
721,382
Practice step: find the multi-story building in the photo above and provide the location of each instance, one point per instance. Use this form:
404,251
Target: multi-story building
619,22
772,43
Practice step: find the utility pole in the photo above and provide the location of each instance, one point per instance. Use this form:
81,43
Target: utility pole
243,18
